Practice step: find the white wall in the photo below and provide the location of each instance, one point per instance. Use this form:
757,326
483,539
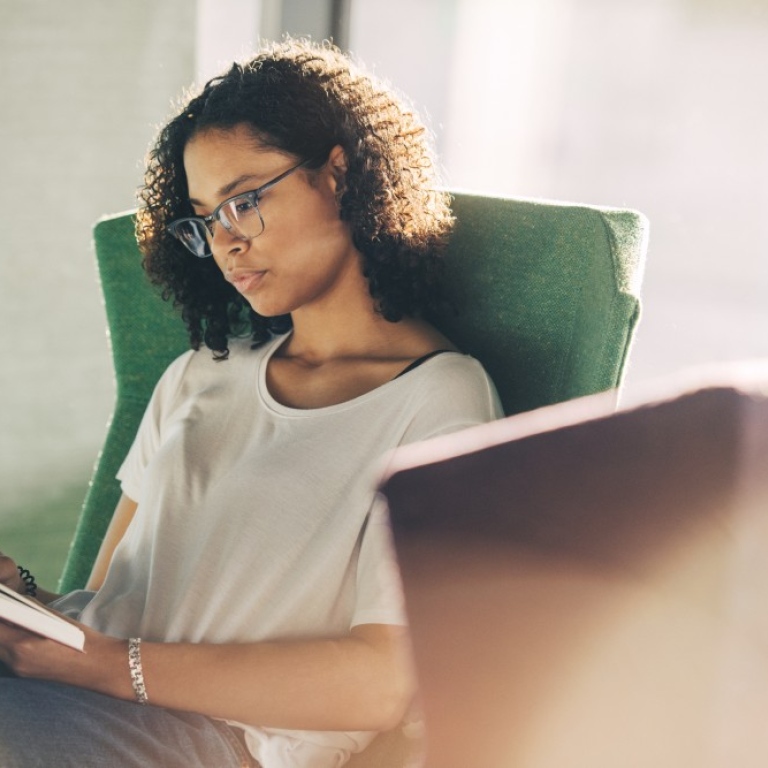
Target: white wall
226,30
83,83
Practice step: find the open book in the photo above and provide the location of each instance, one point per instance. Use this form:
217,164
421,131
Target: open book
31,615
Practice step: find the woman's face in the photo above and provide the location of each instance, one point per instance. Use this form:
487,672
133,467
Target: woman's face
305,254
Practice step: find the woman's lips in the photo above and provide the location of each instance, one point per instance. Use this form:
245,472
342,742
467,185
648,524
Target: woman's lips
246,281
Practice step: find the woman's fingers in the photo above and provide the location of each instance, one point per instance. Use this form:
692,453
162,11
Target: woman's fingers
9,574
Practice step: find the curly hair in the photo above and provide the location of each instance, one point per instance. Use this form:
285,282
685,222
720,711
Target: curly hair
303,99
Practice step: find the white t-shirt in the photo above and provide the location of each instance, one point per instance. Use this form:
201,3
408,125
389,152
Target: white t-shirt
258,521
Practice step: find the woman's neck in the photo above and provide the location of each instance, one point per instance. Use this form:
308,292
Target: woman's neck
322,337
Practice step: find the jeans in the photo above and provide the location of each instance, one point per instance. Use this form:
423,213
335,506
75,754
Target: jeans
45,724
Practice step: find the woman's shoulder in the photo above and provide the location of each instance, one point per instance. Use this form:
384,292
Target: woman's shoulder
450,392
450,368
455,388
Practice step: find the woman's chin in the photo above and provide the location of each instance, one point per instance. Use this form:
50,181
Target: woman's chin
267,309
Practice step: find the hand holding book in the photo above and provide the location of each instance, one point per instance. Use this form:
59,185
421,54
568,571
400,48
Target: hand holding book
61,650
33,616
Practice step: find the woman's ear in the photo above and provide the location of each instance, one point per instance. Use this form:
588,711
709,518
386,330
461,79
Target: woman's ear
337,163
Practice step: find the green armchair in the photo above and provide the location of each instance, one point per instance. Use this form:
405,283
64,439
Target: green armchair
547,298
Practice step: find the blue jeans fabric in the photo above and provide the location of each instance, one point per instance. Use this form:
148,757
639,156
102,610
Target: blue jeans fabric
45,724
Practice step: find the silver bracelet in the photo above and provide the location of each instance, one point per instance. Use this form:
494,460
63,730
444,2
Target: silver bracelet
137,672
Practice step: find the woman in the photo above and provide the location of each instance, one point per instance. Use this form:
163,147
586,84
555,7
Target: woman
291,210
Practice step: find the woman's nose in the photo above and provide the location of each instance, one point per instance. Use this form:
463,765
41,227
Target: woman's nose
224,242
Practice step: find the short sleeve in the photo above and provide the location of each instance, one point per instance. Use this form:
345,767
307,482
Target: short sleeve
379,589
458,395
149,435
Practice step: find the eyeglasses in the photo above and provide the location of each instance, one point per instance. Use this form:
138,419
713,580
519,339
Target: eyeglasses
239,215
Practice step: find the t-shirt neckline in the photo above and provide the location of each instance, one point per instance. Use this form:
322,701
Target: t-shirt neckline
276,406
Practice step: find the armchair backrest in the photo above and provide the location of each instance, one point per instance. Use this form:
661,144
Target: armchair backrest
547,299
549,295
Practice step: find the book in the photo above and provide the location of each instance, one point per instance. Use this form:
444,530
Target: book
35,617
578,578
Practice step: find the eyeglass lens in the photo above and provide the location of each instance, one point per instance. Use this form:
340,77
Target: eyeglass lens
240,216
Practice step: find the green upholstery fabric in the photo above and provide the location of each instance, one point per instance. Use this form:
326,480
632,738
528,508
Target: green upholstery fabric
549,295
145,335
548,303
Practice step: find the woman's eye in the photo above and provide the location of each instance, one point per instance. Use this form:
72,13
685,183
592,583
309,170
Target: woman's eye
244,205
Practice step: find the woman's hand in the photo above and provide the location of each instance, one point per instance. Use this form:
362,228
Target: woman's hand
9,575
103,667
11,578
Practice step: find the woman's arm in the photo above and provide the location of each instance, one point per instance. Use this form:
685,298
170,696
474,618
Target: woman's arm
359,682
362,681
121,519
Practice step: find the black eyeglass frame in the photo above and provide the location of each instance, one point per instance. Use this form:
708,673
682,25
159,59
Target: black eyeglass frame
253,195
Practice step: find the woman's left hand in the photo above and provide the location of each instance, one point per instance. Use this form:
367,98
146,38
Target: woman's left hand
102,667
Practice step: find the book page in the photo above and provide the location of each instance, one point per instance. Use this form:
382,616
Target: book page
35,617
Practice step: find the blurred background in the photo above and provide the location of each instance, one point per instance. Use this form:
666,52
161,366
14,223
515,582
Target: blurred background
661,106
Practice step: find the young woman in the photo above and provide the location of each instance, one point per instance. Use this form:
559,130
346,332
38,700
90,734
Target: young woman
246,590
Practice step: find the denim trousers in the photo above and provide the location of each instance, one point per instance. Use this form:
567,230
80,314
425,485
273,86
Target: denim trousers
45,724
